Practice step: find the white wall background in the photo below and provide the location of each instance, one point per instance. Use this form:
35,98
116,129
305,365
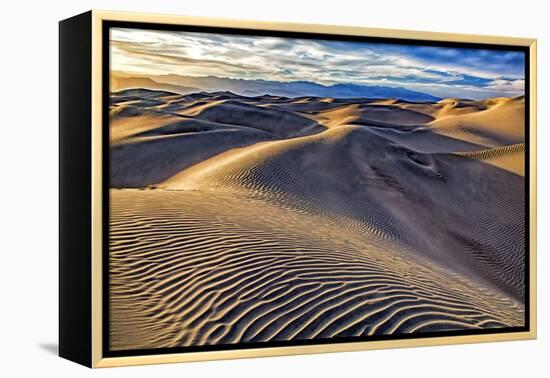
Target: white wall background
28,165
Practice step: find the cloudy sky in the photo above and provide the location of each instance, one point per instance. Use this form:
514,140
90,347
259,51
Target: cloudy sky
443,72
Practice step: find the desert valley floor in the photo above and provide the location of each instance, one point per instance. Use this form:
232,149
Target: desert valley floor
250,219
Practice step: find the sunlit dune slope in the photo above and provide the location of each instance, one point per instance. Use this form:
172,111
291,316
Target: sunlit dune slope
502,122
511,157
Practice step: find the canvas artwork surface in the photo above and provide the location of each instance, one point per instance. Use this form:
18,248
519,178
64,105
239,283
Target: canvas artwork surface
266,190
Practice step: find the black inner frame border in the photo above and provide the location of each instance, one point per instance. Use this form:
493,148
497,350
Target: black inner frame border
105,46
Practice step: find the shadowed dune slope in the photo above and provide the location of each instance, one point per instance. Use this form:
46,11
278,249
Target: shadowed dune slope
373,114
280,122
144,161
311,105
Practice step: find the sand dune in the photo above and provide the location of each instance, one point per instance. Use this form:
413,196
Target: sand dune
281,123
350,172
290,219
501,123
374,114
154,135
509,157
237,269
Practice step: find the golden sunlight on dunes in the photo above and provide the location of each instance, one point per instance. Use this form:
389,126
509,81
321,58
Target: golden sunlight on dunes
239,219
509,157
500,122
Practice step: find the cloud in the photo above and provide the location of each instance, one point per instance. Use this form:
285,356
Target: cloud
507,85
442,71
152,53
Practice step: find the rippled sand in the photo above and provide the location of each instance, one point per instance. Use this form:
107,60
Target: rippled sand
239,219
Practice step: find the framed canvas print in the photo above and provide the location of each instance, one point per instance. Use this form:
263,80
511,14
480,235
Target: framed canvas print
235,189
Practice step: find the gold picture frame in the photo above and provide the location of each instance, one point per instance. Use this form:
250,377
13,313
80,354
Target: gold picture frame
82,275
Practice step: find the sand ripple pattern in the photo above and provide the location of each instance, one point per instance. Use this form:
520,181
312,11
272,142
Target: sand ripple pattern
493,152
194,268
374,185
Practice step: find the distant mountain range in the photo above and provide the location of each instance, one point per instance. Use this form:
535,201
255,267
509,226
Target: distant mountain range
187,84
